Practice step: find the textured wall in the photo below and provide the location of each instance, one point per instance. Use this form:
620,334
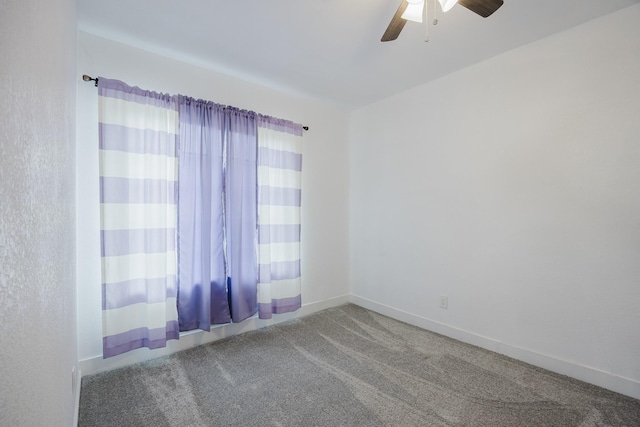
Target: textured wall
37,212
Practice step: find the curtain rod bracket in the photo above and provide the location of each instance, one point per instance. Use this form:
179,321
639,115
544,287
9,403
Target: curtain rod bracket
87,78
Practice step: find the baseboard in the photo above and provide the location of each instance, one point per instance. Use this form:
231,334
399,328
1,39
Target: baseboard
96,364
76,405
315,307
608,380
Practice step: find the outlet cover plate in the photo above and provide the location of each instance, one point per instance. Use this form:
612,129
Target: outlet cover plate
444,302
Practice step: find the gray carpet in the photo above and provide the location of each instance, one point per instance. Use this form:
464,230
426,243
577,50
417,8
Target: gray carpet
345,366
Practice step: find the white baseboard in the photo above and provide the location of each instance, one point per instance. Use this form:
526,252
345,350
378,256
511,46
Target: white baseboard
608,380
315,307
96,364
76,397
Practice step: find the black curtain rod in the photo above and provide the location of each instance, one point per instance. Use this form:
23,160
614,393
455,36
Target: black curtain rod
88,78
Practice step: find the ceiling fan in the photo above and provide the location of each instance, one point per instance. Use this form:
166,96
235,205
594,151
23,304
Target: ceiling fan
412,10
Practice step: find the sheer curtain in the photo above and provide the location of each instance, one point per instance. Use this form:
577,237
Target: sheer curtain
240,211
279,201
217,214
203,279
138,173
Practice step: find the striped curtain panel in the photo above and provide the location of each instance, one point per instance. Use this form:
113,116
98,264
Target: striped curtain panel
279,196
138,182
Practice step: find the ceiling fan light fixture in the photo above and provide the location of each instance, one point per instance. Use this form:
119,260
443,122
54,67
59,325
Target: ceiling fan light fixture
483,8
446,5
414,9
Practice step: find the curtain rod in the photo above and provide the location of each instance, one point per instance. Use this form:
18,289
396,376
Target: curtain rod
88,78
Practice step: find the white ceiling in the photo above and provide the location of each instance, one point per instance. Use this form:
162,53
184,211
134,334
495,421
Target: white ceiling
329,49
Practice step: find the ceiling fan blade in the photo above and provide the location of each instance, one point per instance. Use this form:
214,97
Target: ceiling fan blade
483,8
396,25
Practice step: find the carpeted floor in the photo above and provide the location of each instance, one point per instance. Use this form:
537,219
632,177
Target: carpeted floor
345,366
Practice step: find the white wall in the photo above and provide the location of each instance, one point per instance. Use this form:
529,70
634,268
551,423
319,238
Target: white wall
37,213
324,249
512,188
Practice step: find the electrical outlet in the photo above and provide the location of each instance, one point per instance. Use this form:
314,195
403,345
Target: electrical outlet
444,301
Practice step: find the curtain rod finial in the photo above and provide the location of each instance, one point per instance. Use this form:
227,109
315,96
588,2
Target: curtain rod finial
88,78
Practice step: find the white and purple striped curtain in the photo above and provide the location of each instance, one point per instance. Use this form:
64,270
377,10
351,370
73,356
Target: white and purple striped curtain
138,183
279,197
